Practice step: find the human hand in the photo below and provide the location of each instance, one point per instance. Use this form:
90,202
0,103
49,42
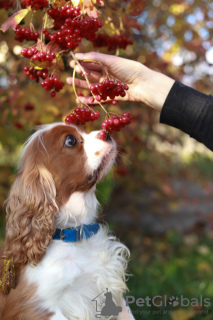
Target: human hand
124,70
145,85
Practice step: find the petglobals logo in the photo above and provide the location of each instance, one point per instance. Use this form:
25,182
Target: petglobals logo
164,301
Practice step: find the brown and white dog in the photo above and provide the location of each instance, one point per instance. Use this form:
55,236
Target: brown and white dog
55,189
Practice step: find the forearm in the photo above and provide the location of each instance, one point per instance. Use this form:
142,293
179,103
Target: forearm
190,111
181,107
155,88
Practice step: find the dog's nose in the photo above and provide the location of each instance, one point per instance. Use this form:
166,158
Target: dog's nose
108,137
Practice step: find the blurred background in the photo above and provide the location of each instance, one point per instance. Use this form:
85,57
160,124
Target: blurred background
158,200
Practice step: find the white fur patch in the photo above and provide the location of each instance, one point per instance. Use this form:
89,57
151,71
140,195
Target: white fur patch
96,149
81,208
71,275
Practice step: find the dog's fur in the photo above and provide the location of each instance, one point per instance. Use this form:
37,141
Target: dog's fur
55,188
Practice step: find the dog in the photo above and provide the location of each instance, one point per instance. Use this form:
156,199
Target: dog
56,258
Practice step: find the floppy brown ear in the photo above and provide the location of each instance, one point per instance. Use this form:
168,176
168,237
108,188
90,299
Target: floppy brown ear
31,211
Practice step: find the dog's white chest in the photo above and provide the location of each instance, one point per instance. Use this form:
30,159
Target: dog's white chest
71,275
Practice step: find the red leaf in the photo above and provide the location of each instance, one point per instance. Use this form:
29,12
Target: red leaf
14,20
52,46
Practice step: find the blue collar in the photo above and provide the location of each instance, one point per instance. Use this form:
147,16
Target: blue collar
76,234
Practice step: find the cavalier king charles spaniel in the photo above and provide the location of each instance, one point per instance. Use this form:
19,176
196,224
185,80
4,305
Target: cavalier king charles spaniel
56,258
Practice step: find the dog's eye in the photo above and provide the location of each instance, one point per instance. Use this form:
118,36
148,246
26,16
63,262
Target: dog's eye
70,141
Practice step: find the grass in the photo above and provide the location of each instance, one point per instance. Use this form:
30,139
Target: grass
173,265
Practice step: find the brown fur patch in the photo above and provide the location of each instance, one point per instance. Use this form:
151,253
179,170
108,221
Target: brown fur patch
18,304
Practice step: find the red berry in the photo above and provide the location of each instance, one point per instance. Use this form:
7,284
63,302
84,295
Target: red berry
116,122
102,135
98,98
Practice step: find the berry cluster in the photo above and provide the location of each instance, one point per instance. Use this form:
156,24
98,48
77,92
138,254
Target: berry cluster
5,4
89,27
108,88
66,38
73,30
28,53
25,34
35,74
81,116
41,56
59,15
112,43
114,124
36,4
53,84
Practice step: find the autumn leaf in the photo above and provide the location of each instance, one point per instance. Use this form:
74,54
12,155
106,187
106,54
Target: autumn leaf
38,65
110,29
14,20
99,2
58,3
59,62
40,46
49,22
27,19
90,7
75,2
52,46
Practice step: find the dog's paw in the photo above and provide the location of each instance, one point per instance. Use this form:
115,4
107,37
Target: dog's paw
174,301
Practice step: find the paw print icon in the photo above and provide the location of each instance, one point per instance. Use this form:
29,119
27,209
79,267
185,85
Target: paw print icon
173,301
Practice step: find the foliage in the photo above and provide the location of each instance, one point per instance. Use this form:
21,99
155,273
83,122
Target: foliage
161,41
172,265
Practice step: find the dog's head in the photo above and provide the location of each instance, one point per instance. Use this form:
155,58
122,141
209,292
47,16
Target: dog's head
59,167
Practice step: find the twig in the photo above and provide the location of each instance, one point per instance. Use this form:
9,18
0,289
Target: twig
85,75
73,84
43,25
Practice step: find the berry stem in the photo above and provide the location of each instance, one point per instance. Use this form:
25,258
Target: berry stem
83,6
44,25
74,89
85,75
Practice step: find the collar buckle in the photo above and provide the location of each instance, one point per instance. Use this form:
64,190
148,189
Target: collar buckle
61,235
79,233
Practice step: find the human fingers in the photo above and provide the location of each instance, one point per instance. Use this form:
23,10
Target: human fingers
92,66
78,83
92,75
90,100
86,100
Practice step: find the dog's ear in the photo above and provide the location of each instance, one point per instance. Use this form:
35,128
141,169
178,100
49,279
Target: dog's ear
31,211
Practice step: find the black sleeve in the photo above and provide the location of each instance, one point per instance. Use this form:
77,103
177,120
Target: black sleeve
190,111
